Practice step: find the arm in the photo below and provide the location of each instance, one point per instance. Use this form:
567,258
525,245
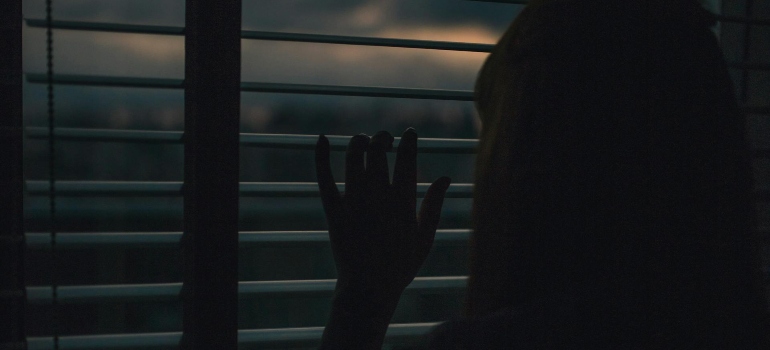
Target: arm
377,242
357,321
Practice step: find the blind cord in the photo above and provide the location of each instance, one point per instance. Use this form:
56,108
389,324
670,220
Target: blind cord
52,176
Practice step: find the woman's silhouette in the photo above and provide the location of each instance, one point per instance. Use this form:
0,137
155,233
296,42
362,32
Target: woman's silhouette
613,196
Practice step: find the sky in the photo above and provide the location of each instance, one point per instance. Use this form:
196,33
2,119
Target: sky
135,55
155,56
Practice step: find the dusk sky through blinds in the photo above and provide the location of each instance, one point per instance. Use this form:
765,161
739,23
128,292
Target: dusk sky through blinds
136,55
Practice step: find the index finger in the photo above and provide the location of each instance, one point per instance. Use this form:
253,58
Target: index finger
405,171
330,195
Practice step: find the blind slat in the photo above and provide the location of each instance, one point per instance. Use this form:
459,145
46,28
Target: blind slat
265,337
283,141
106,27
170,291
173,188
80,239
361,91
269,35
311,89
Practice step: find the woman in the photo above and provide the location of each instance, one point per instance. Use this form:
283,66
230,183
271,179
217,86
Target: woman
612,205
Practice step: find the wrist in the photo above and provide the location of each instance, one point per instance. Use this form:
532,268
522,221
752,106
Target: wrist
358,320
366,304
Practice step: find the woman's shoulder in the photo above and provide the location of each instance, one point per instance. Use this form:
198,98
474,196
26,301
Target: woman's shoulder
584,319
496,331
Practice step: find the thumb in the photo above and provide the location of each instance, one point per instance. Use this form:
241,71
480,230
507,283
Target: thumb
430,212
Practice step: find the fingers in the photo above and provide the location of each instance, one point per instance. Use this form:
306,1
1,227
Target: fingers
354,165
430,212
405,172
330,195
377,161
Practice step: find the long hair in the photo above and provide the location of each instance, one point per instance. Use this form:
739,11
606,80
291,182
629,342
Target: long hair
613,154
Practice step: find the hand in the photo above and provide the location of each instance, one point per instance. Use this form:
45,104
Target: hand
377,242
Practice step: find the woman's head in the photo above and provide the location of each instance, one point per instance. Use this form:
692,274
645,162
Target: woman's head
566,100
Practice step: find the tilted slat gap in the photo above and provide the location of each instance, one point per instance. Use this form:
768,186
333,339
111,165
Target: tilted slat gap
274,337
310,89
282,141
269,35
170,291
174,188
36,240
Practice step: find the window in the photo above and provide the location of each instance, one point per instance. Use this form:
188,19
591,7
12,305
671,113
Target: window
307,67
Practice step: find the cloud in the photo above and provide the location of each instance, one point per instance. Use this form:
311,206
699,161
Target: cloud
371,14
367,17
359,65
94,53
159,12
154,48
113,54
468,33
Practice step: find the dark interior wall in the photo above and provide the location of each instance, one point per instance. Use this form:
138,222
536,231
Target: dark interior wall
750,43
11,230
